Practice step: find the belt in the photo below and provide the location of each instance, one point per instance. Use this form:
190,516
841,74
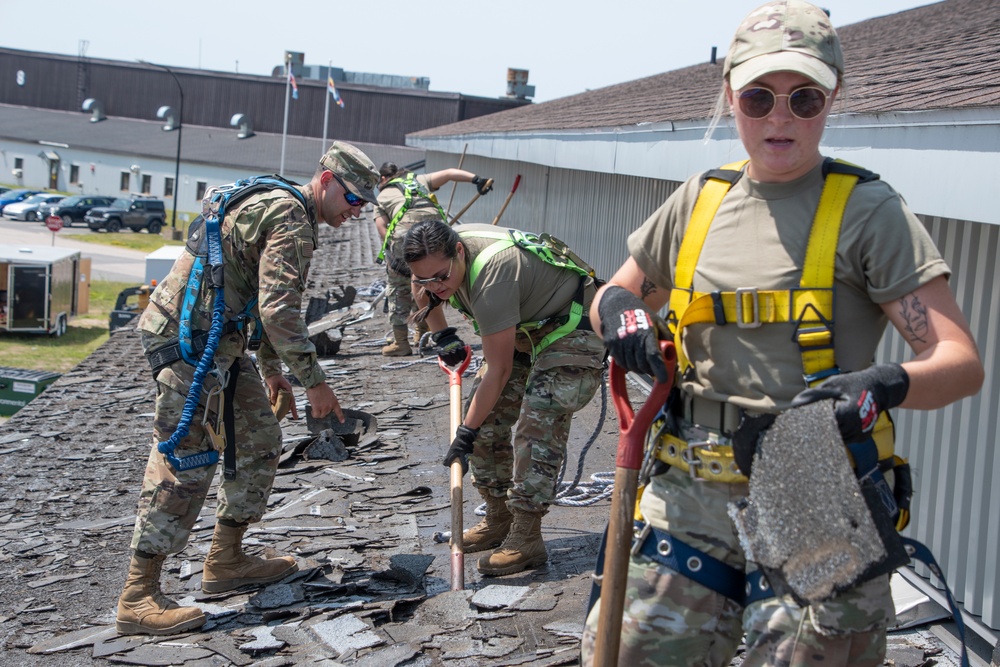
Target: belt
704,461
167,354
716,415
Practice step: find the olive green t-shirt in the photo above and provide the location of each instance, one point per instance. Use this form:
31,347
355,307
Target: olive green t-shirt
514,286
758,239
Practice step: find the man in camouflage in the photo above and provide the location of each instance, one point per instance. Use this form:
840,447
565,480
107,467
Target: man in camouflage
268,240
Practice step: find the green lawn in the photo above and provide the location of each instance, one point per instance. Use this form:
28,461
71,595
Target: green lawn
84,334
132,240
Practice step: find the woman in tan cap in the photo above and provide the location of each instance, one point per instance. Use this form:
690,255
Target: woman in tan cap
762,325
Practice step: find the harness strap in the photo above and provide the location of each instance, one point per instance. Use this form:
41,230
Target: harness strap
574,319
229,423
408,186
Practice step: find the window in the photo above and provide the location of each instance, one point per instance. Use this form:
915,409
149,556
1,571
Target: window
147,183
168,187
124,184
200,194
19,163
74,173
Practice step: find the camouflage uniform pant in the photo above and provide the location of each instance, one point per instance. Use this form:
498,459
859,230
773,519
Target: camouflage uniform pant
170,501
399,293
671,620
541,397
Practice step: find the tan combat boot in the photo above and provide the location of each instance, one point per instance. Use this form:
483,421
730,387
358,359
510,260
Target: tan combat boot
142,607
422,328
227,567
523,547
491,531
400,345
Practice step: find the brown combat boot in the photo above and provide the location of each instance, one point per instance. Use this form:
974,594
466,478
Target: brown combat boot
422,328
227,567
491,531
400,345
142,607
523,547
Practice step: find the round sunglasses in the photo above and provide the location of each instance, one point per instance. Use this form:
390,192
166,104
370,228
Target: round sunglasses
804,103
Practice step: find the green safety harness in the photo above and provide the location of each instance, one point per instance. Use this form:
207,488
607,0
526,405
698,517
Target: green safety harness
551,251
198,348
415,196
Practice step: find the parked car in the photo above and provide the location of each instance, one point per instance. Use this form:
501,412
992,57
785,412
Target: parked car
136,213
3,189
73,209
14,196
28,208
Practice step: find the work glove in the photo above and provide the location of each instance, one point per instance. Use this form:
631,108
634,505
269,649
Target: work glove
450,348
632,333
483,185
747,438
282,404
858,397
461,447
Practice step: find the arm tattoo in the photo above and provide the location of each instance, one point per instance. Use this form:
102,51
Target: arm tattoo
648,287
915,314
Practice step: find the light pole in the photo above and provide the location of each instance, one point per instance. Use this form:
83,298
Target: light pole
180,127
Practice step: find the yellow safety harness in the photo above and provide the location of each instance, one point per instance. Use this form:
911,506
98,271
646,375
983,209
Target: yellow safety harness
809,307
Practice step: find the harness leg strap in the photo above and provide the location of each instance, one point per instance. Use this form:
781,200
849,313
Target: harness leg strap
229,422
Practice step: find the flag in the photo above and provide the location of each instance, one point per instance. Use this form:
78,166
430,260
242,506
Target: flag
295,87
333,91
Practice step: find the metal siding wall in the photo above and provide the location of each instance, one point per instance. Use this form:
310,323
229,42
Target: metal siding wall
592,212
956,506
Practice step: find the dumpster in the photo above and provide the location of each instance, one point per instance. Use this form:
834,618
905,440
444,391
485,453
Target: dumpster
18,386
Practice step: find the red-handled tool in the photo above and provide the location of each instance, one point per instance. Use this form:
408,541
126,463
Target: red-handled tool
455,393
630,451
517,181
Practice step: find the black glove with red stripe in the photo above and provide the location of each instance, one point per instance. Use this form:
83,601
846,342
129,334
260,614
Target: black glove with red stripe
450,348
858,397
461,447
632,332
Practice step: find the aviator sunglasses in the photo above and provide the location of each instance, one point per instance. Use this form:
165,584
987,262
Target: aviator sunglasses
435,279
805,103
352,199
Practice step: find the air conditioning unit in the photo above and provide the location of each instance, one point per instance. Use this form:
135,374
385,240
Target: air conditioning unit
18,173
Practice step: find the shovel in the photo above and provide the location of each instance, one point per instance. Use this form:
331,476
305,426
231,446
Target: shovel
620,526
455,391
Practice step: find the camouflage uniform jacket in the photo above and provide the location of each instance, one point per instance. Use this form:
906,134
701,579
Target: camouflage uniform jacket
267,241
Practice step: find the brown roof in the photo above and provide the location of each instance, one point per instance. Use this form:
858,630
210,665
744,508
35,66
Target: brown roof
940,56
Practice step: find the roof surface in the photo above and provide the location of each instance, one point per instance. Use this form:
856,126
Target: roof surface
940,56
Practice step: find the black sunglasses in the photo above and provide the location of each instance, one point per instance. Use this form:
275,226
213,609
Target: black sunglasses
351,198
805,103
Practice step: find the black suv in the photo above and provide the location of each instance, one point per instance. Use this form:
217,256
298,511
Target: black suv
72,209
134,212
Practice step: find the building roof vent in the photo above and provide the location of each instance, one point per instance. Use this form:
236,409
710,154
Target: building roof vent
168,114
243,122
96,108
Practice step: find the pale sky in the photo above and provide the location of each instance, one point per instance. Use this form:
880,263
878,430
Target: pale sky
462,46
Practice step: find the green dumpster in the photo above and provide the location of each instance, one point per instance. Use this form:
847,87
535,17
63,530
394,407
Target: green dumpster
18,386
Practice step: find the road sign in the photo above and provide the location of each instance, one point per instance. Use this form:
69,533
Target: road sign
54,223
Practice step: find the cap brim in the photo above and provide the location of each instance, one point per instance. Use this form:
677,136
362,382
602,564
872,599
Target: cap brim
783,61
365,193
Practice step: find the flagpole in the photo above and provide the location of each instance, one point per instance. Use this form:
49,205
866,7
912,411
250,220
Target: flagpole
284,129
326,110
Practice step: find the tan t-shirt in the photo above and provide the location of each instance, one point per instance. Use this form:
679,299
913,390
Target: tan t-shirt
758,239
514,286
391,199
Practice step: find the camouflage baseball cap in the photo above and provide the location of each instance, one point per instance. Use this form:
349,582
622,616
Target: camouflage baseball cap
357,170
785,36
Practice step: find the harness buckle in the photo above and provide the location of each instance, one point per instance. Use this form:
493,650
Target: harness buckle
741,322
691,457
639,538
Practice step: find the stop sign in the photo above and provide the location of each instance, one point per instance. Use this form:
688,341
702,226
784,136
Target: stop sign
54,222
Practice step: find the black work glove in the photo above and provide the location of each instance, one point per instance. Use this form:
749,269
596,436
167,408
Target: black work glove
461,447
632,333
483,185
450,348
858,397
747,438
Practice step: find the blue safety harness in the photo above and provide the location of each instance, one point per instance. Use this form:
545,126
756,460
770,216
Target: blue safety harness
207,244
